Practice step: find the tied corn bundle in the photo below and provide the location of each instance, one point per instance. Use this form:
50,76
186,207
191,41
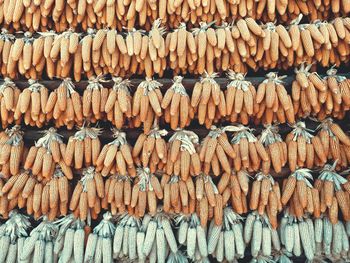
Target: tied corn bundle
38,246
334,193
335,142
119,102
116,156
274,103
45,154
275,147
265,197
69,243
240,96
225,241
183,158
151,150
31,104
12,150
304,149
250,152
83,148
298,192
146,108
179,195
176,104
85,201
99,246
9,95
216,152
208,100
64,105
12,235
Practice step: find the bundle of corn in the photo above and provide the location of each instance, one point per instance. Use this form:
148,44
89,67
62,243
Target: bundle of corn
273,100
216,151
208,100
261,236
70,239
12,147
31,104
12,235
45,154
298,236
177,106
332,240
39,247
179,195
86,198
334,192
150,150
335,142
116,156
250,151
192,235
9,95
298,190
119,102
183,158
266,197
6,41
146,191
99,246
240,97
83,147
275,147
236,187
304,149
64,105
146,106
225,241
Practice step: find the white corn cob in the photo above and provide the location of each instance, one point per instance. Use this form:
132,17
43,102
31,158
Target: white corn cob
153,253
191,241
68,245
327,235
125,247
39,251
248,228
98,251
337,238
229,245
90,248
20,244
29,245
305,239
297,244
107,250
132,242
183,232
140,237
4,245
118,239
311,229
150,237
169,235
213,238
275,240
202,241
347,226
266,243
219,252
48,252
161,245
12,253
289,237
240,246
257,238
78,248
282,229
318,230
345,241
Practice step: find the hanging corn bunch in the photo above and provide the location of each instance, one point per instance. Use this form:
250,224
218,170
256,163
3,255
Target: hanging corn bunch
275,147
179,195
86,198
261,236
304,149
250,151
45,154
177,106
6,41
9,95
117,193
274,102
298,236
192,235
208,100
240,97
70,239
12,147
31,103
146,190
299,192
38,247
116,156
225,241
119,102
334,190
150,150
216,152
83,148
335,142
266,197
146,106
64,105
99,246
183,159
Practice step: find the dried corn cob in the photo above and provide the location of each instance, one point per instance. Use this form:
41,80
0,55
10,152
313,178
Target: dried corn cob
9,95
